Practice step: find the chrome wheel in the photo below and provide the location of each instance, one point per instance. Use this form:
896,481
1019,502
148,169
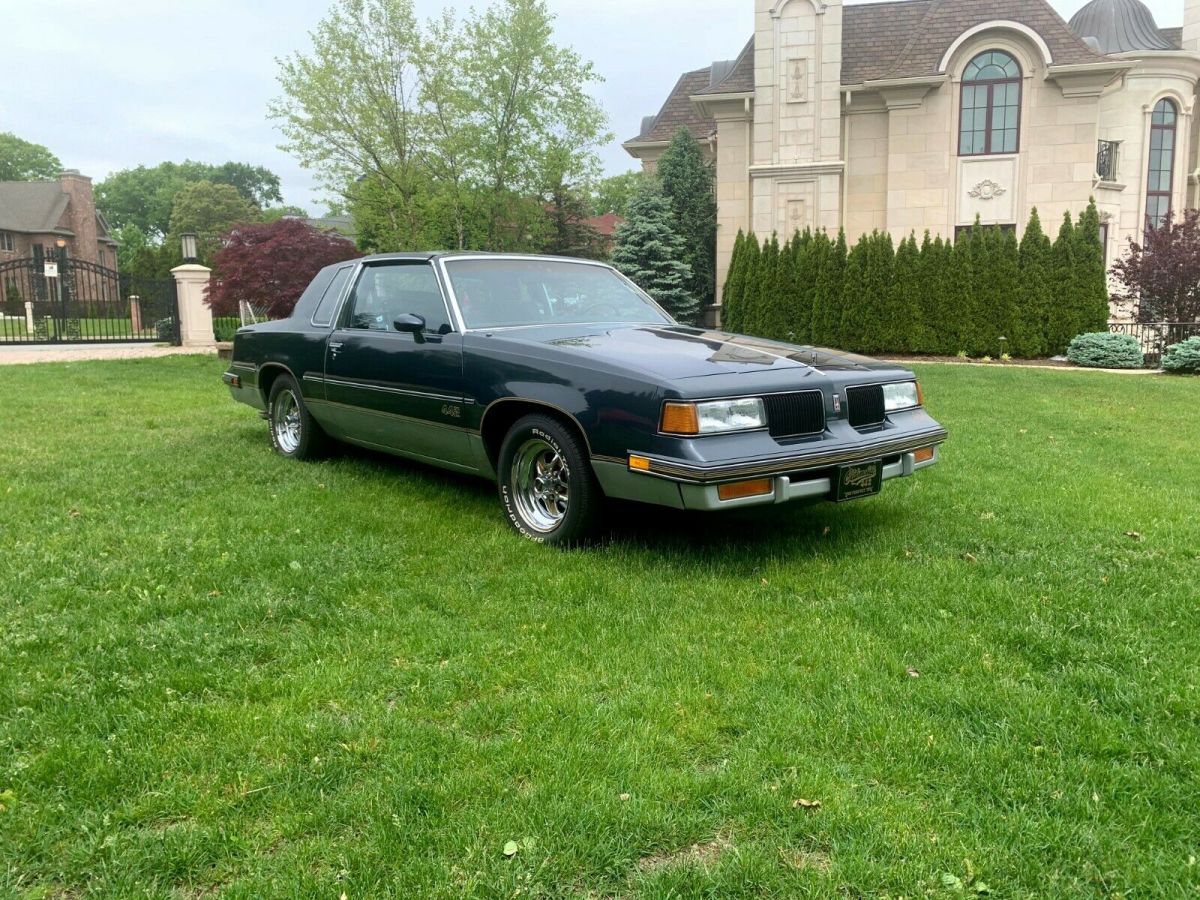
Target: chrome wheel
540,484
285,421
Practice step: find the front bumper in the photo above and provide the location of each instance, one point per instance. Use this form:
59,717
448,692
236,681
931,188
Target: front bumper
797,474
796,486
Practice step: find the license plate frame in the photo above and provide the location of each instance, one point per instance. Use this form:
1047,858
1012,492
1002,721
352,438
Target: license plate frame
854,481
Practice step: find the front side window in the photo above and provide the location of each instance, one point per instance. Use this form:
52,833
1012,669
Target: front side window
989,121
500,293
385,291
1162,164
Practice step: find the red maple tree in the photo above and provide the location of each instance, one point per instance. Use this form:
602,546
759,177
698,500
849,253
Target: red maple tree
270,265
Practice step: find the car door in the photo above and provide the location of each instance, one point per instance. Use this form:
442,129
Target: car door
398,390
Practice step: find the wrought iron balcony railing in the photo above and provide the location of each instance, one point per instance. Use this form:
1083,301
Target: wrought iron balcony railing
1107,153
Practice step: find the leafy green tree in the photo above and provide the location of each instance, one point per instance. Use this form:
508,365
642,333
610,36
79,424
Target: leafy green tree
928,294
735,280
848,335
275,213
1061,320
766,288
567,232
143,196
904,328
614,193
802,290
1034,296
735,319
831,259
648,251
687,180
457,128
21,160
1091,292
208,210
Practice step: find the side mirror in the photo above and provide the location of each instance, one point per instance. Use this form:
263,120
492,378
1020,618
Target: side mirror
412,323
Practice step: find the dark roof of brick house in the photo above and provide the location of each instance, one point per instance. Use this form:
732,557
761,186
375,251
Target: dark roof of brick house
32,207
679,111
894,39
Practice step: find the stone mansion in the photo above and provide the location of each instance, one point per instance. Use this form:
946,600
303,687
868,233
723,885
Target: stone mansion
923,114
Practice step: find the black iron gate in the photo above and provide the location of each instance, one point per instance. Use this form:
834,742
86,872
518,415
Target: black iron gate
53,298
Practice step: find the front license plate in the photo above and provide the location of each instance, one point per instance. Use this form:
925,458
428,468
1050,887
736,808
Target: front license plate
858,480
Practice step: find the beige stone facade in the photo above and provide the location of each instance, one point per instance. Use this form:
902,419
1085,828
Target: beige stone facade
804,134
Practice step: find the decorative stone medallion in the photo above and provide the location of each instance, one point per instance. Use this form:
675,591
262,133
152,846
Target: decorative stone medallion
986,190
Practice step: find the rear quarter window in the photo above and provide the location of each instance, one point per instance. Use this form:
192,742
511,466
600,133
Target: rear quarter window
324,313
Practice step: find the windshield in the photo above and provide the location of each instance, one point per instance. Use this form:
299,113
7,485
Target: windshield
494,293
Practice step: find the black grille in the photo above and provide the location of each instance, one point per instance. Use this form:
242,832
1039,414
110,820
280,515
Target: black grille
791,415
866,405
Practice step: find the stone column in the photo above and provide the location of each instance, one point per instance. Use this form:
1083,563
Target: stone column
195,318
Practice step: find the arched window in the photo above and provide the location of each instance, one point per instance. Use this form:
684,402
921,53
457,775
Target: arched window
989,121
1162,163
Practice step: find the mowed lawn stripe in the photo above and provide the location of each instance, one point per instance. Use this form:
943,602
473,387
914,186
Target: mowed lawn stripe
229,673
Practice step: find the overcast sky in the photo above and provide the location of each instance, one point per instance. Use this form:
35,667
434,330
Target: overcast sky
110,85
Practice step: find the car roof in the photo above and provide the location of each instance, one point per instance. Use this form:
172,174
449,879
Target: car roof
439,254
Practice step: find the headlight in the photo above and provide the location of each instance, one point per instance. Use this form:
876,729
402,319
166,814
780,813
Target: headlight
902,395
713,416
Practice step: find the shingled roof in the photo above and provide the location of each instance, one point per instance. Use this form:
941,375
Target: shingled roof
679,111
893,39
32,207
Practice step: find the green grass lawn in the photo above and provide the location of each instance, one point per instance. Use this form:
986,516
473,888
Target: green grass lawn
226,673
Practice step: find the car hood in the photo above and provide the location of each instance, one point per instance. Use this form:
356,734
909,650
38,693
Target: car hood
677,352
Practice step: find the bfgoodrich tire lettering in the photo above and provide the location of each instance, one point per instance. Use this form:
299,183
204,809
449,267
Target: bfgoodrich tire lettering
547,487
294,432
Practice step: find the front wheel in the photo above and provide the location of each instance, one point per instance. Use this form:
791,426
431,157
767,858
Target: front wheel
294,433
547,486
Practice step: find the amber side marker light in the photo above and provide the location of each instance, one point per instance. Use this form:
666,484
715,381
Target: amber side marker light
640,463
680,418
737,489
923,455
920,395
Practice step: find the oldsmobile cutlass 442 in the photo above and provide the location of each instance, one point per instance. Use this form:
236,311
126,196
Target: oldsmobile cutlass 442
566,384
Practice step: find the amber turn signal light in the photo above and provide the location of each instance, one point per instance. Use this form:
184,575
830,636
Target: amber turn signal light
640,463
925,454
680,418
737,489
920,395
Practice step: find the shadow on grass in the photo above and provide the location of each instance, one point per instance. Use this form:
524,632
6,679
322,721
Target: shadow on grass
796,528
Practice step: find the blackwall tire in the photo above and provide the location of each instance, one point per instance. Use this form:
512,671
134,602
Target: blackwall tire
547,488
294,432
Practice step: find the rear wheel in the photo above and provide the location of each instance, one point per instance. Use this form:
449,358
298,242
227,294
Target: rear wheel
547,486
294,433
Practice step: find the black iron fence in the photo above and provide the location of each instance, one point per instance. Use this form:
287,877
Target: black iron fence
1155,337
54,298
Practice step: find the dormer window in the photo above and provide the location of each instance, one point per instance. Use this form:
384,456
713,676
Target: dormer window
990,114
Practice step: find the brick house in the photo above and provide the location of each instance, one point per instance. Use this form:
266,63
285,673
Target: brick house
40,213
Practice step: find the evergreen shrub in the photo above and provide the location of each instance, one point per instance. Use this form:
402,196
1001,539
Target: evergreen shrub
1105,350
1183,358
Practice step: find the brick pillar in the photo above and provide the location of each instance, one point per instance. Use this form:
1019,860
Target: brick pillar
195,318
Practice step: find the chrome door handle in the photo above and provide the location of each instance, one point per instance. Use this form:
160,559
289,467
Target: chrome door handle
335,346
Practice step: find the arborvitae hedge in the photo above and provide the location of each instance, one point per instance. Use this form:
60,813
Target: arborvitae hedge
937,296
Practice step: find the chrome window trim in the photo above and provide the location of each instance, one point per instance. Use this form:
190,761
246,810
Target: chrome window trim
402,261
453,297
337,307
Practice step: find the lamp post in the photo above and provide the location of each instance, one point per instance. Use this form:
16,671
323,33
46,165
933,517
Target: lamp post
188,240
